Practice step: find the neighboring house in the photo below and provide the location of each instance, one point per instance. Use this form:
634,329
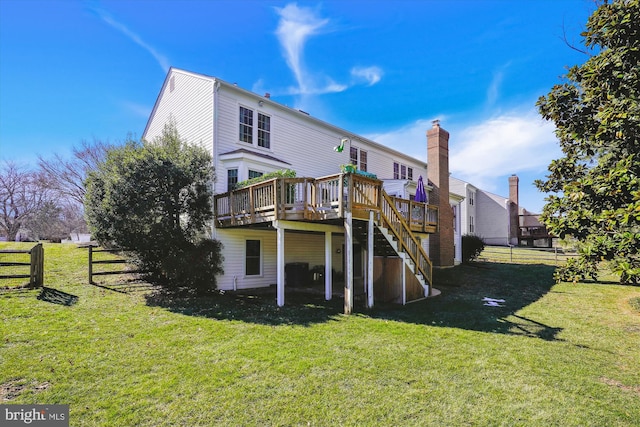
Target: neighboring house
348,228
484,214
78,237
532,231
498,220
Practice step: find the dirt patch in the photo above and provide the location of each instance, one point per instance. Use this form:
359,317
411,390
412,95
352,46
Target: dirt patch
12,389
618,384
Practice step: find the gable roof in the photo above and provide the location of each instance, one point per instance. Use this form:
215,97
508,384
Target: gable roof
299,113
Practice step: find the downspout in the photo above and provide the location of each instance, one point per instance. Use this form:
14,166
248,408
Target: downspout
214,154
506,208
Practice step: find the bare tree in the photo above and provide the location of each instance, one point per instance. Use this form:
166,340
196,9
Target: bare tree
67,176
22,194
56,220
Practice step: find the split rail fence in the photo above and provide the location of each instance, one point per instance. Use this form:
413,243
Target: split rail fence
35,263
522,255
93,262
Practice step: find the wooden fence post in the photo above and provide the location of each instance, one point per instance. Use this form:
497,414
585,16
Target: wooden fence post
90,264
37,266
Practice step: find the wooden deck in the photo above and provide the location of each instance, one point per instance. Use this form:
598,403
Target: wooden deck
317,199
345,197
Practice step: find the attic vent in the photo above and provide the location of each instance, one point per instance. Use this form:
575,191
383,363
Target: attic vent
172,83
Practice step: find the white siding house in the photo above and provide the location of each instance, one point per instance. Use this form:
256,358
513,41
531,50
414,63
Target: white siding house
249,135
485,214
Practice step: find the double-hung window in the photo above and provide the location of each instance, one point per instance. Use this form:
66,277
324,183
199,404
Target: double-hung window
264,131
259,135
246,125
353,156
363,160
401,171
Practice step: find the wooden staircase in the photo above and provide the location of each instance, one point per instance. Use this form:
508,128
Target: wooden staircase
394,237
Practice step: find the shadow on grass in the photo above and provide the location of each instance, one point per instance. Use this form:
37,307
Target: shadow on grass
125,285
253,306
461,304
55,296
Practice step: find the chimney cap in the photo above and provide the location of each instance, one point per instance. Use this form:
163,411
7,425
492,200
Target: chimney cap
436,123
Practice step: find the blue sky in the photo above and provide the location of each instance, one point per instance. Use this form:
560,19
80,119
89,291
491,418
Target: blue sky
79,70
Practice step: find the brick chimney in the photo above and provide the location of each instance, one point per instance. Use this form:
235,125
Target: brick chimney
441,244
514,218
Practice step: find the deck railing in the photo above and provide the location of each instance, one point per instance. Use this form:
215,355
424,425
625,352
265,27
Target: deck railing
420,217
316,200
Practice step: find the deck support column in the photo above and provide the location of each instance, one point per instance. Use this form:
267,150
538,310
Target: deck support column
280,276
370,237
348,256
328,268
404,278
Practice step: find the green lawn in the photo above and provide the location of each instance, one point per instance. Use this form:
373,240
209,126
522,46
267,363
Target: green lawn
552,355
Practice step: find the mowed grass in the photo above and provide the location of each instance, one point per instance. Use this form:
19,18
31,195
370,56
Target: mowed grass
551,355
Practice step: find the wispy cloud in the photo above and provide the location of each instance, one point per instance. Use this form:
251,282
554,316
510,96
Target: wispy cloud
410,139
493,91
484,152
296,26
368,75
106,17
514,142
139,110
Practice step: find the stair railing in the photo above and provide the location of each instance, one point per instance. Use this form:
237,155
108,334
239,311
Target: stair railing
393,220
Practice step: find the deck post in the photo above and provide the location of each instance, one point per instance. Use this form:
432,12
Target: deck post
403,257
348,254
280,276
328,275
370,238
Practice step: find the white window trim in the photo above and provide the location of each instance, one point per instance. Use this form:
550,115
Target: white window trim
261,259
254,129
